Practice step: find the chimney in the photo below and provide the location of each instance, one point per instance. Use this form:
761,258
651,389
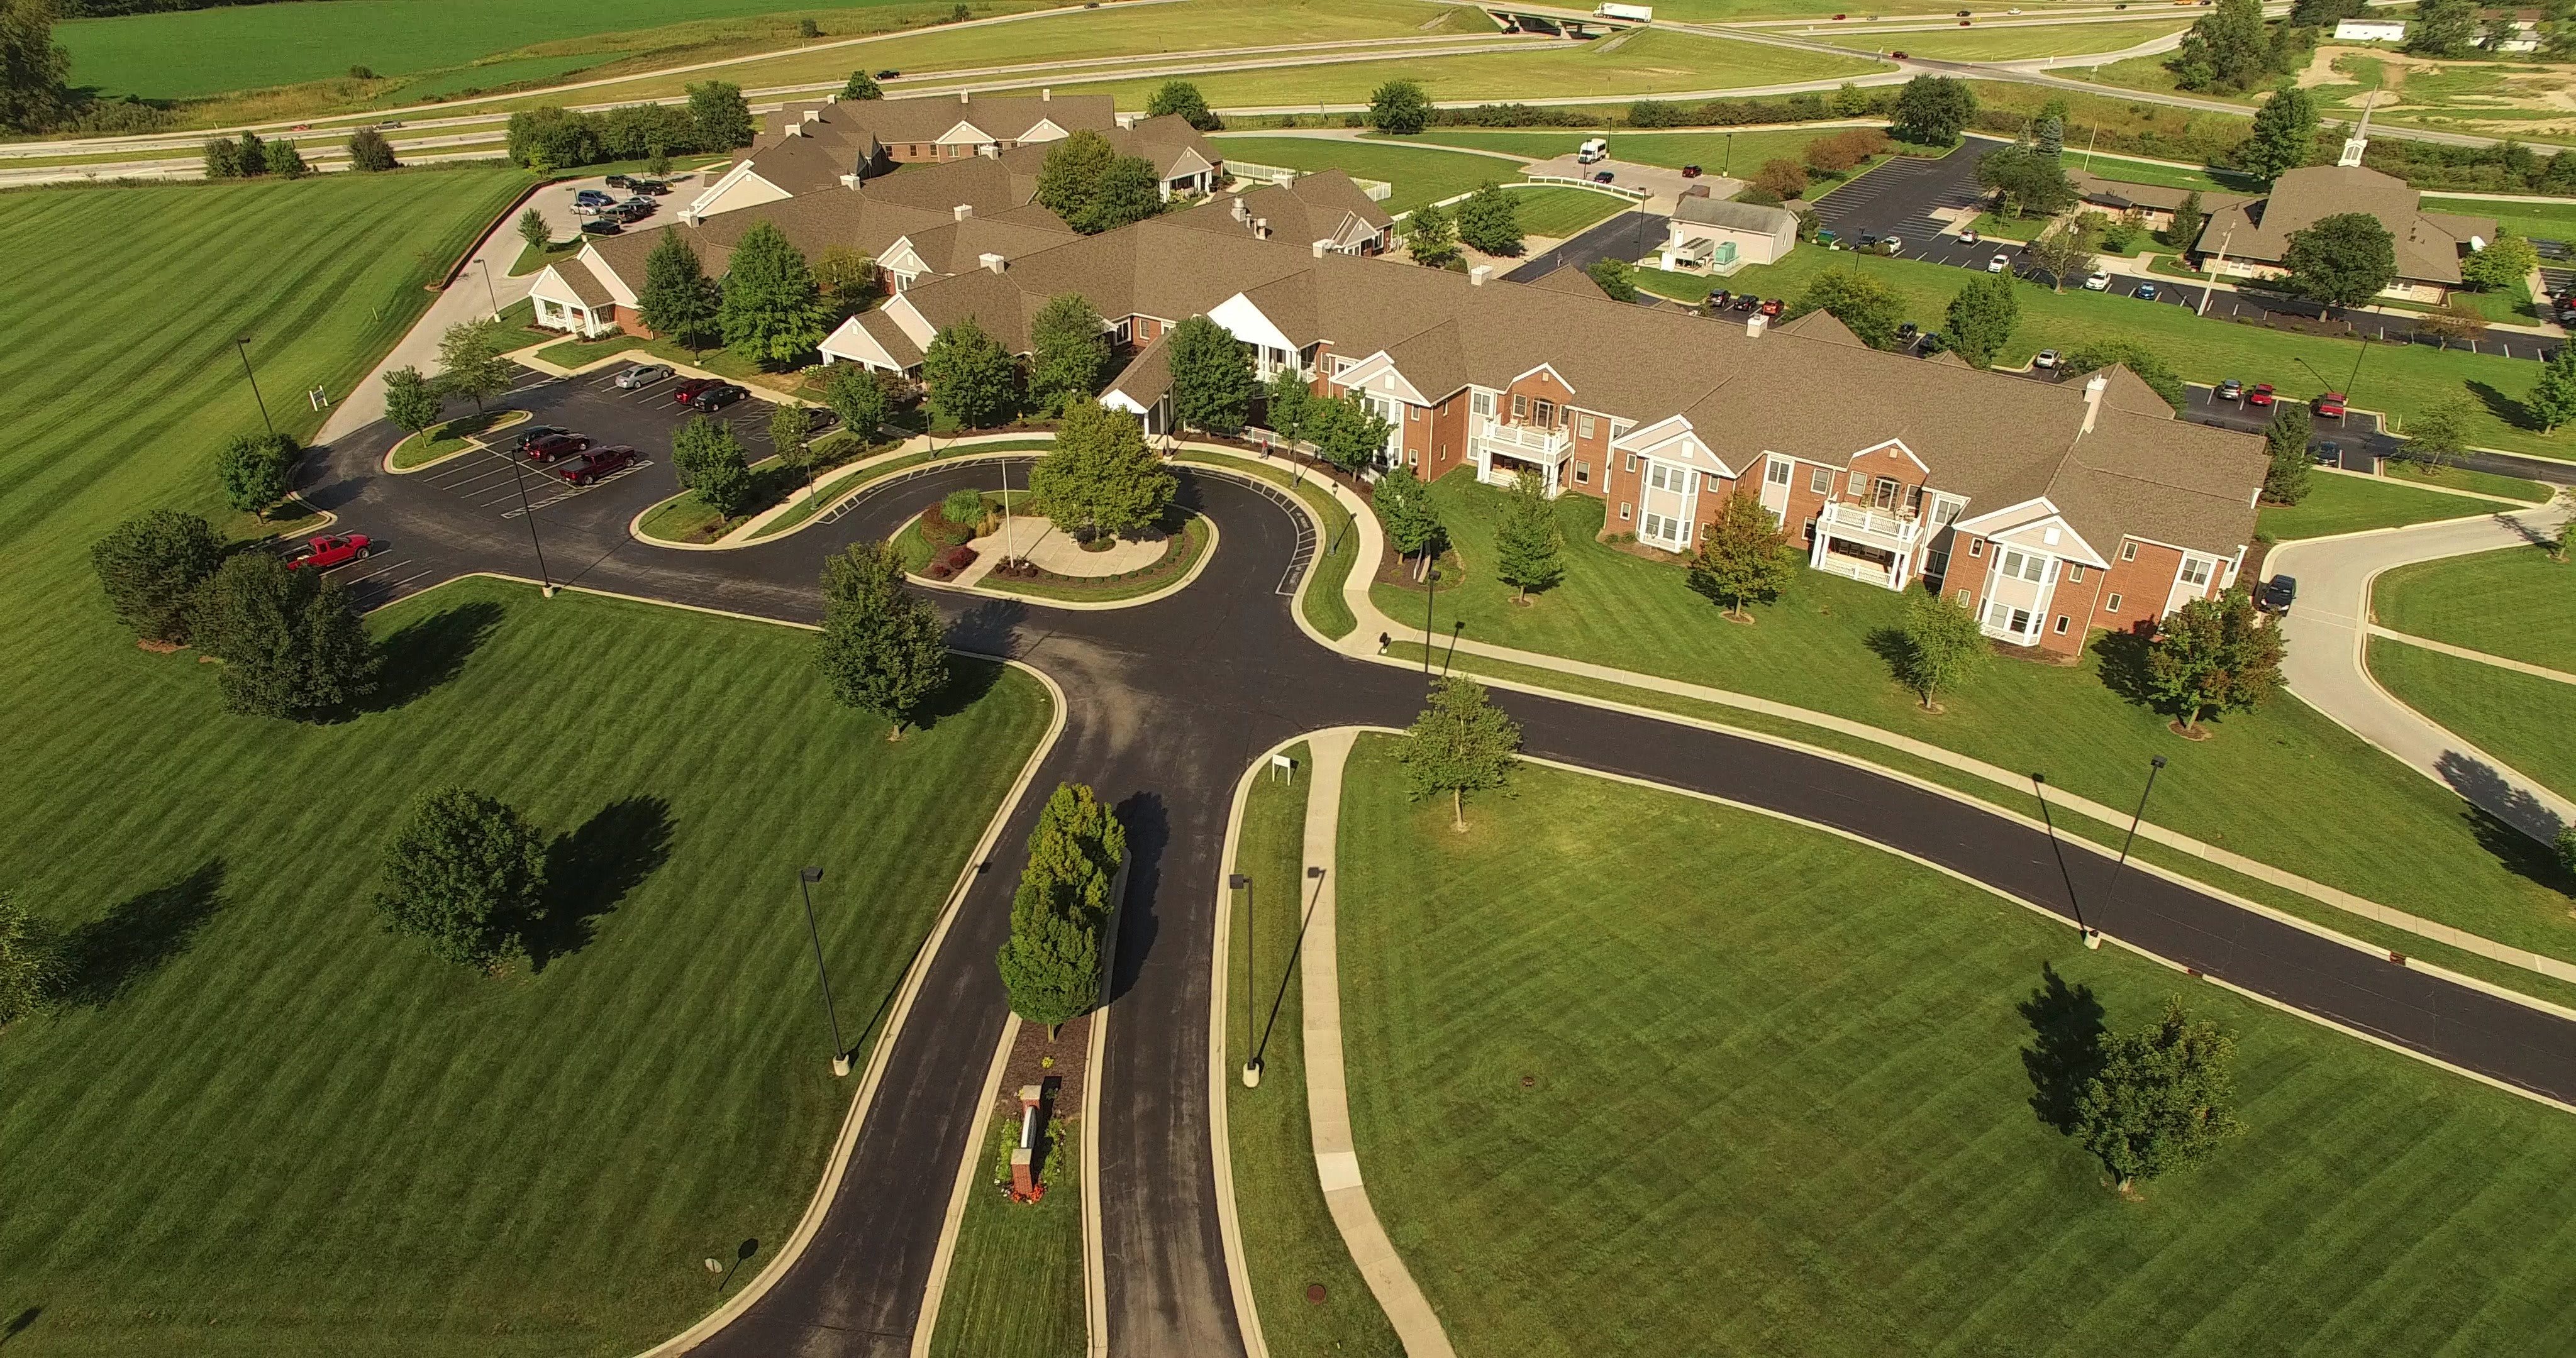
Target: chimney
1261,228
796,129
1476,276
992,262
813,115
1045,95
964,211
1241,213
2093,399
1322,246
1753,325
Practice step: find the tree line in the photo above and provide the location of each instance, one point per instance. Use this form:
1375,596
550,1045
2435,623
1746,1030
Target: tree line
715,119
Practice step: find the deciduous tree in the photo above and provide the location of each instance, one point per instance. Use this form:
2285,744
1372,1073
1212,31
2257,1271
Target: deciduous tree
369,151
2452,320
2163,1097
1100,478
791,429
2285,132
1865,304
708,459
2226,50
1182,98
1128,190
473,361
2443,28
257,470
1212,382
1052,963
1346,433
33,67
678,299
1933,109
2062,252
2552,401
1461,743
1489,221
2439,432
466,874
2285,482
150,567
1781,177
847,279
291,641
1941,644
1070,174
773,313
2506,260
1431,237
2028,182
1743,557
1285,401
1068,352
285,161
722,119
2214,655
31,962
1982,317
972,380
411,400
883,649
1529,547
861,85
859,397
1404,509
1399,108
534,230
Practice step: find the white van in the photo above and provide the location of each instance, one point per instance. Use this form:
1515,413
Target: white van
1594,150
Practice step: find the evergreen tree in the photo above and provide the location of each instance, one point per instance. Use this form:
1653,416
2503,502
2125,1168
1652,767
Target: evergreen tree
1863,302
772,314
291,641
473,360
2286,439
1982,318
861,85
859,397
368,150
883,649
2162,1099
1461,743
31,962
708,459
2214,655
1743,557
1068,352
2552,401
1430,237
971,378
1529,547
534,230
2186,222
1100,478
1488,221
1052,963
1399,108
721,119
1942,644
1933,109
1212,382
1404,509
1182,98
466,874
411,401
150,567
2285,132
257,470
2048,130
678,298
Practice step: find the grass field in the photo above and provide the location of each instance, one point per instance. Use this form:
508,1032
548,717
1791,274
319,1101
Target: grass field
2403,841
1420,174
1744,152
1777,1103
1289,1240
264,1126
2007,43
2545,221
2523,719
1555,210
2518,604
2207,179
2401,379
1653,62
1015,1286
2349,504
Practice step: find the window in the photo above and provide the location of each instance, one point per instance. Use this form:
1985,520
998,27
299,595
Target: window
1623,511
2061,624
2012,563
1976,546
2075,574
1484,403
1543,414
2195,571
1583,426
1713,480
1777,473
1963,598
1413,413
1583,473
1120,331
1811,530
2112,603
2128,551
1944,509
1913,501
1655,526
1936,563
1883,493
2035,569
1520,408
1821,481
1630,465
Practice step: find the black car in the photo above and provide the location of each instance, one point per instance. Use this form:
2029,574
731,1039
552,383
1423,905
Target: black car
601,226
2327,453
1746,302
539,433
717,397
2277,594
1905,333
653,187
1717,300
619,181
888,73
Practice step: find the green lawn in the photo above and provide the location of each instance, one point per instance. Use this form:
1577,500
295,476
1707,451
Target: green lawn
2546,221
531,258
2003,43
1420,174
1555,210
264,1126
2404,841
2518,604
2349,504
1289,1240
1015,1285
1651,63
2208,179
1777,1103
2400,379
2463,478
1718,152
2525,720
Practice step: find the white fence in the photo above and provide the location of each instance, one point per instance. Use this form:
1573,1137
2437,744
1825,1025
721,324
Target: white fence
1378,190
1625,190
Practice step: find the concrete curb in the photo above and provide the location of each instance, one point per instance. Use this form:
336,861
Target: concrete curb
472,445
945,1255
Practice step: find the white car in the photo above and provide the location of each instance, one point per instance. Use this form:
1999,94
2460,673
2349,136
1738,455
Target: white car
1888,245
1968,236
2099,282
2001,263
2045,358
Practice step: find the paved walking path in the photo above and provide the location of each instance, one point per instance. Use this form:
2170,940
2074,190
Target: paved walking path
2482,657
1328,1112
2327,664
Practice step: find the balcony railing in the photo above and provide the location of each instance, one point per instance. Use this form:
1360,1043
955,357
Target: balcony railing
1877,527
1524,441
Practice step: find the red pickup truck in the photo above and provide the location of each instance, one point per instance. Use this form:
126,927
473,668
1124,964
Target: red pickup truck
591,466
326,553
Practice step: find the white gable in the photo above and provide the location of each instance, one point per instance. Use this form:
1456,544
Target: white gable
1046,130
852,343
901,258
1377,373
551,287
1550,370
2054,536
908,319
741,187
1188,163
2007,518
1674,440
1245,322
965,131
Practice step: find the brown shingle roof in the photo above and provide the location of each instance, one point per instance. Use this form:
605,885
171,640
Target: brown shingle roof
2120,194
2428,245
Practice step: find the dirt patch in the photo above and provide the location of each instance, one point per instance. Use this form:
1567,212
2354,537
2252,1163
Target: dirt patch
1395,568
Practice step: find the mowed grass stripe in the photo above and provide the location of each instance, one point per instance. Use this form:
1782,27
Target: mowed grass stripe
1788,1070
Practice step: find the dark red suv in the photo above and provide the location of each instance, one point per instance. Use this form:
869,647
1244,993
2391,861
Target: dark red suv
687,392
581,471
553,446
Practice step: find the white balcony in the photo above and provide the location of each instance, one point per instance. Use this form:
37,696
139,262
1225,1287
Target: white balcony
1526,442
1873,527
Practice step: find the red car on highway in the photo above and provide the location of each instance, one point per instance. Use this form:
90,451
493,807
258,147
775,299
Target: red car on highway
2260,394
553,446
2330,405
589,467
325,553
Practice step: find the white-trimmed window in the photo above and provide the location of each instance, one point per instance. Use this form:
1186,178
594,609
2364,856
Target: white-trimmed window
1976,546
1776,472
1623,511
1944,509
1543,414
1630,466
2112,604
2128,551
1821,481
1583,473
1583,426
2061,624
2195,571
2074,573
1714,481
1483,402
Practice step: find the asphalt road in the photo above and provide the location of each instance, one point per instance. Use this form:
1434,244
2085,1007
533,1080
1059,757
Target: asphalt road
1166,703
1630,235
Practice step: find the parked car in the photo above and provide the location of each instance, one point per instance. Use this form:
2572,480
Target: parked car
1888,245
1905,333
583,470
2326,453
555,446
1715,302
688,391
2259,395
638,208
2045,358
2099,282
1865,240
389,125
594,197
602,226
2329,405
1968,236
618,181
1900,54
1829,238
2278,593
1691,172
2230,390
820,418
534,434
642,375
653,187
1602,177
717,397
2146,292
1746,303
1772,307
1967,23
2001,263
326,553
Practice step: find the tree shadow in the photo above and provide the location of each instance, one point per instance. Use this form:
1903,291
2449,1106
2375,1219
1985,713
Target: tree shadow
990,627
2066,1046
1892,648
969,679
1149,833
420,656
590,869
138,936
2124,663
2503,407
18,1324
2509,822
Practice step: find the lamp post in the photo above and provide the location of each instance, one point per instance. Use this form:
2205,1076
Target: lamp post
1315,874
241,346
1729,162
2038,788
1251,1060
2155,765
1430,583
488,290
805,880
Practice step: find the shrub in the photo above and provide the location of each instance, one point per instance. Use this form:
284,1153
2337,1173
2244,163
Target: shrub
963,507
957,558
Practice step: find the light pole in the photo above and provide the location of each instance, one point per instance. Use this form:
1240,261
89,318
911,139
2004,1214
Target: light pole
1430,585
1729,162
2155,765
1251,1060
241,346
1315,874
519,477
805,880
2212,285
2038,788
488,290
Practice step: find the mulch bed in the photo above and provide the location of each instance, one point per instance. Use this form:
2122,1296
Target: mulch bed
1071,1051
1394,568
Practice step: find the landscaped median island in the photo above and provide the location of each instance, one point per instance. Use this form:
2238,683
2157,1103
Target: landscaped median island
1014,1287
2402,841
453,437
1818,1072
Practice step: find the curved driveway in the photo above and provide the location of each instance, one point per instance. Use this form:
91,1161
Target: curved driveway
1166,704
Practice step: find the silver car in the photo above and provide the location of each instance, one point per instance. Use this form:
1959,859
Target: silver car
643,375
